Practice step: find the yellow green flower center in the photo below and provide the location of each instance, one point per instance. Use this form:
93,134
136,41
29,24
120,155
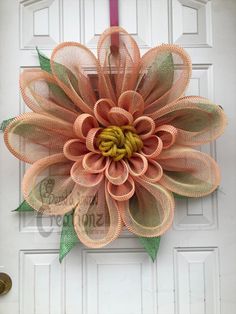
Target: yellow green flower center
119,142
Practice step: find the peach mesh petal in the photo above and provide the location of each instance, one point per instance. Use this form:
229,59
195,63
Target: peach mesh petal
144,126
120,68
119,116
97,221
41,93
149,213
102,109
48,187
83,177
74,149
152,147
154,172
121,192
167,134
137,164
95,163
92,138
164,75
117,172
132,102
73,65
32,136
188,172
83,124
197,120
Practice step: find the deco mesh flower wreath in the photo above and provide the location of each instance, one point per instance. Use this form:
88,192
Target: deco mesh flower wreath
113,137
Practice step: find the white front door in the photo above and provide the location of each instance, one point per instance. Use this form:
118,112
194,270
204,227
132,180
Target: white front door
195,272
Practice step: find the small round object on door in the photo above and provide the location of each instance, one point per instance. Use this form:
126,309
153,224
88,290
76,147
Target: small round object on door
5,283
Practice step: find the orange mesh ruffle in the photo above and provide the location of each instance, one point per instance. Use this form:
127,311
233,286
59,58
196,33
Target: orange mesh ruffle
197,120
73,66
120,67
42,94
164,75
48,187
149,213
188,172
32,136
97,219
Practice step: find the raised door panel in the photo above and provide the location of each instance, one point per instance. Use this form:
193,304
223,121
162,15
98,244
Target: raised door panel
197,280
191,24
119,281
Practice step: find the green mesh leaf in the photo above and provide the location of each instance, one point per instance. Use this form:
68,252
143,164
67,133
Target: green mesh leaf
151,246
24,207
5,123
44,61
68,236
